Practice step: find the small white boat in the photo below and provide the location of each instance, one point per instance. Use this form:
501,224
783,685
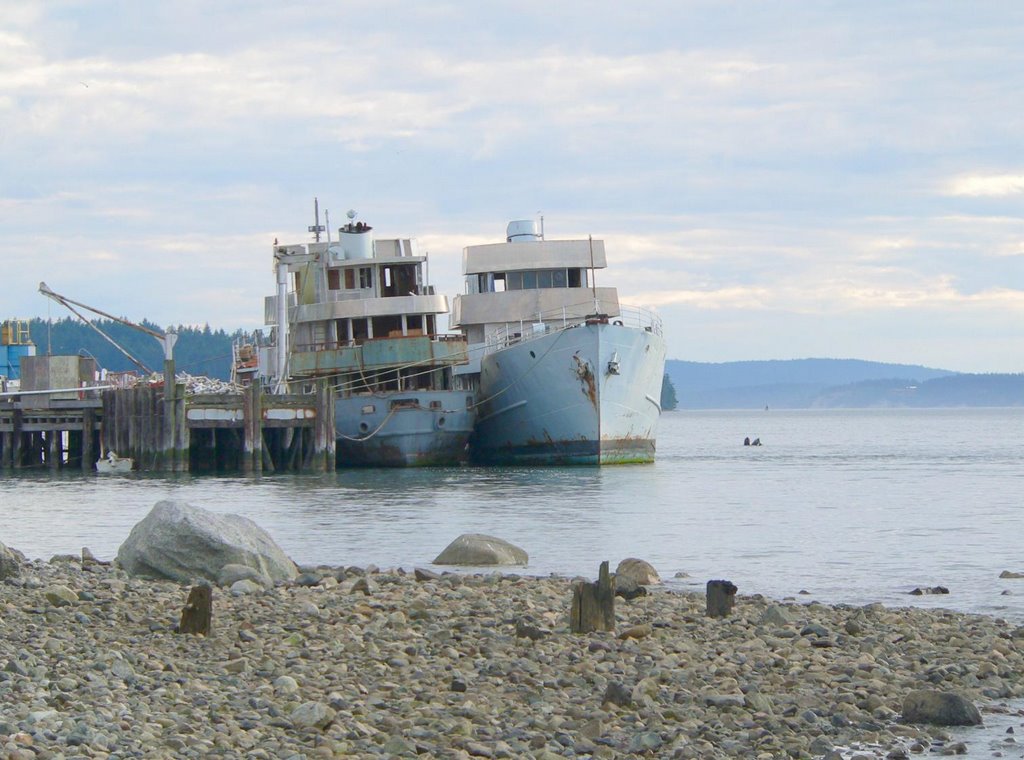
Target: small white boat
115,464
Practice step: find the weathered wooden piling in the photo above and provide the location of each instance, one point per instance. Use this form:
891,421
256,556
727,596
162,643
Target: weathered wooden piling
88,433
593,604
16,452
323,429
721,595
252,445
197,614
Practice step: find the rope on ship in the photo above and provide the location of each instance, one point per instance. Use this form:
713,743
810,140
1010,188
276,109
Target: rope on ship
383,422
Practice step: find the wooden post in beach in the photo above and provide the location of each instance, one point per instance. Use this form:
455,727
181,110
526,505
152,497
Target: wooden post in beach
197,615
593,604
720,597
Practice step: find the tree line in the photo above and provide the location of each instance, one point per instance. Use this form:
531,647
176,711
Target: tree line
198,351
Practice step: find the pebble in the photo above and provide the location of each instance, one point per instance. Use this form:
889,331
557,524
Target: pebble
361,663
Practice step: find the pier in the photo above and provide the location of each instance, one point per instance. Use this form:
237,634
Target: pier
249,431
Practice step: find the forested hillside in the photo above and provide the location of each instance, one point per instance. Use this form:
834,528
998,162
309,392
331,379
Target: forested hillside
199,350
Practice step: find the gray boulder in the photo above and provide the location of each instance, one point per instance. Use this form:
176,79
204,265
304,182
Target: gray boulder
10,562
230,574
478,549
940,708
638,570
180,542
776,615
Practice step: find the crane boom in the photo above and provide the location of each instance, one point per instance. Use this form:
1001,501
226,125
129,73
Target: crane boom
166,340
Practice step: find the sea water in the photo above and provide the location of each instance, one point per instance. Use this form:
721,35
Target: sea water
836,506
847,506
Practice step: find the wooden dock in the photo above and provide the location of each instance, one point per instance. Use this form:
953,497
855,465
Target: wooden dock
247,432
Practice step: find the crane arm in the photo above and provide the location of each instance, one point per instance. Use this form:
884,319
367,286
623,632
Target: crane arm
166,340
65,301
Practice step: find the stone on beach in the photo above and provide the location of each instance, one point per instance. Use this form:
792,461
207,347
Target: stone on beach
639,571
479,550
940,708
180,542
919,591
474,665
10,562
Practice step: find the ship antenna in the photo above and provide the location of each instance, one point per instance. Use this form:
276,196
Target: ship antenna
316,228
593,280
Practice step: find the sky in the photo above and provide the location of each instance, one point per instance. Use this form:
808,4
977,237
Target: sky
779,179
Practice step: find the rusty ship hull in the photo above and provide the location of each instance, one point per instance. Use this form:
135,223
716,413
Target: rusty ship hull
408,429
585,395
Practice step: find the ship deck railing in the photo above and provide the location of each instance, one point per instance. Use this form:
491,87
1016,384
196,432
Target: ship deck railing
336,345
557,320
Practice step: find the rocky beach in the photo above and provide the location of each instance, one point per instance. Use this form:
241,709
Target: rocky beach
361,662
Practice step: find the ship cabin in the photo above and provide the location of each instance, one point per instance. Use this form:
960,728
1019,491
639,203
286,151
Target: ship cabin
528,281
362,306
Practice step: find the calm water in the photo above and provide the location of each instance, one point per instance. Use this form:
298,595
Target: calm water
851,506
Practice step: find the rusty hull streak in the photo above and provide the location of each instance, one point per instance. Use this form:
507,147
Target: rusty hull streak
584,373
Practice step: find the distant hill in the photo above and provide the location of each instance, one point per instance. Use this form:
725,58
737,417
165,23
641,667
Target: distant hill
835,383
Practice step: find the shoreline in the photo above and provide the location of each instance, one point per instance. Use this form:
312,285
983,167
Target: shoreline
470,665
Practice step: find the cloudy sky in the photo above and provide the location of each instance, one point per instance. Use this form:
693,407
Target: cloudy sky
779,179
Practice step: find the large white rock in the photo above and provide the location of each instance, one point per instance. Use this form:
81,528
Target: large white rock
478,549
181,542
637,570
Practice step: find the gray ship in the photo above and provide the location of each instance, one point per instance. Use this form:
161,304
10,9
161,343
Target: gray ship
358,314
564,373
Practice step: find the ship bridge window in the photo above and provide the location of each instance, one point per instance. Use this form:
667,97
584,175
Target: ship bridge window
350,279
499,283
333,279
365,277
400,280
577,278
534,279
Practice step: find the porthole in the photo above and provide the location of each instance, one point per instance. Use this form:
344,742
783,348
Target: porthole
533,355
440,422
364,427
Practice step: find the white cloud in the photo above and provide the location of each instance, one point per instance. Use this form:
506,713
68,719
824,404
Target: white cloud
742,164
981,185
